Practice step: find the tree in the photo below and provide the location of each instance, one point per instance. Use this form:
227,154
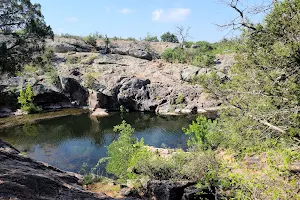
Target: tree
183,34
264,90
151,38
26,100
169,37
22,33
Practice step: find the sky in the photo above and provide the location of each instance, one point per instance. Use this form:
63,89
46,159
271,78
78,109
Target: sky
136,18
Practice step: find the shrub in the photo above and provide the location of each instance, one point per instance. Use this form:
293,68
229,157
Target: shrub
180,98
188,44
122,151
26,100
169,37
174,55
73,59
92,40
151,38
202,134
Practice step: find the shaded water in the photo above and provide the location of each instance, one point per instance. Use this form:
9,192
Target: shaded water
68,142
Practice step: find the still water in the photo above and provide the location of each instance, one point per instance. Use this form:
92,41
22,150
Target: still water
69,142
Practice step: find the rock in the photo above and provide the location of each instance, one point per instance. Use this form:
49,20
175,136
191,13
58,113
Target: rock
24,178
77,94
195,46
192,193
64,45
100,113
166,190
136,51
97,100
133,94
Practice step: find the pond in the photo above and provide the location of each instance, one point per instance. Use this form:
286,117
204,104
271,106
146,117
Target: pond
70,142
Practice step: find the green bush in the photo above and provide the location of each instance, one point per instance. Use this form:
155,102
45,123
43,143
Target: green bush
92,40
26,100
122,151
169,37
188,44
180,98
202,134
73,59
151,38
176,55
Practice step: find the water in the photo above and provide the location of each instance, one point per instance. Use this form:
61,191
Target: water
69,142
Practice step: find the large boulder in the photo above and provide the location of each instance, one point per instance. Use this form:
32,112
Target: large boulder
133,93
137,51
77,94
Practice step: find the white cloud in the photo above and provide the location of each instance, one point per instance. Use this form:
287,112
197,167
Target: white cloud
71,19
126,11
171,15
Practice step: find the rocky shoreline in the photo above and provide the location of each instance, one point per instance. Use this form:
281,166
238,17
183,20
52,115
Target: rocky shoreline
24,178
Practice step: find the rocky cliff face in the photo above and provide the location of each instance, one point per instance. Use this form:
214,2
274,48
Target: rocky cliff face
131,76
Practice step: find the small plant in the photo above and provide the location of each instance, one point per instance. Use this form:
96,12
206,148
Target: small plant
180,98
26,100
90,80
123,109
73,59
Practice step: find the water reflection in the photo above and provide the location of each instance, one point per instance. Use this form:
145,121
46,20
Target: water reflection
68,142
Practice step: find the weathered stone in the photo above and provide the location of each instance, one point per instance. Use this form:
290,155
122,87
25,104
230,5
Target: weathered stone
166,190
100,113
24,178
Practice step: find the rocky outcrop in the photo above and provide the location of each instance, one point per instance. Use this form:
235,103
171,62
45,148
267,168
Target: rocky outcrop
64,45
65,93
180,190
24,178
136,52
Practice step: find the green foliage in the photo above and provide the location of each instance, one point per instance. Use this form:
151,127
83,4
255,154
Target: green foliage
26,100
202,134
188,44
92,40
169,37
73,59
190,56
176,55
123,109
131,39
150,38
122,151
180,98
23,32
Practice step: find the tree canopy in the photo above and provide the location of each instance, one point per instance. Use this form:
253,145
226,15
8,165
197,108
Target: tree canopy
22,33
169,37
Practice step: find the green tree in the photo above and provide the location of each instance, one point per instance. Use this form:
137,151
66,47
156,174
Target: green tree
26,100
169,37
264,90
151,38
121,152
22,33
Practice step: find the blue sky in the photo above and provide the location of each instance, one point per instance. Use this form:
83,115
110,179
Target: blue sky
136,18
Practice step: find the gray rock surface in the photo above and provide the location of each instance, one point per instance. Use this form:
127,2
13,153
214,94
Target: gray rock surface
24,178
64,45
